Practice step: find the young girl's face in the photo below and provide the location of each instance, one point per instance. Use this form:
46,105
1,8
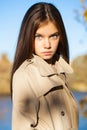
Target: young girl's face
46,41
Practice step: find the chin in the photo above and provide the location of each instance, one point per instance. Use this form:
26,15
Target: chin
47,57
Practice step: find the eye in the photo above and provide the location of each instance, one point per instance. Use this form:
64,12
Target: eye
54,36
38,36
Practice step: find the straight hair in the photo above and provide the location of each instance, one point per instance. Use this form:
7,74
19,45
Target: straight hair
37,14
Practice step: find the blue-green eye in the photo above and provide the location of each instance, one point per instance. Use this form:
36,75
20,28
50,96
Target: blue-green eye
55,35
37,36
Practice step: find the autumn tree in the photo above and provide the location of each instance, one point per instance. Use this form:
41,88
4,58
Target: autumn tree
81,15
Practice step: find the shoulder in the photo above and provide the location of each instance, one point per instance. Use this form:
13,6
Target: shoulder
21,72
25,70
26,65
21,78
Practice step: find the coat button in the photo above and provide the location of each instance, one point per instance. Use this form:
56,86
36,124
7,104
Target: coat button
62,113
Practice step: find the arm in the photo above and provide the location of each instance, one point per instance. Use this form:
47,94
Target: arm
25,104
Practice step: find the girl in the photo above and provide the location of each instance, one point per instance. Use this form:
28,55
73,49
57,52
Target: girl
40,94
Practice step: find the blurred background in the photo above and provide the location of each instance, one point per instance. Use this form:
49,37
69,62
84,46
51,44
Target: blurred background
74,14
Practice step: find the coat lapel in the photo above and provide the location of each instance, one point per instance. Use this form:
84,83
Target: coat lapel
48,77
61,66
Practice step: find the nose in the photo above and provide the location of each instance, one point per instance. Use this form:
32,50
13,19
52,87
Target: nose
47,43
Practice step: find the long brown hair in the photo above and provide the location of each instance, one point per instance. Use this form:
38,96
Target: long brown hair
37,14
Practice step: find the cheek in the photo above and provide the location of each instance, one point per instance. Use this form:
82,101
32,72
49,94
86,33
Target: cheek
55,45
37,46
33,47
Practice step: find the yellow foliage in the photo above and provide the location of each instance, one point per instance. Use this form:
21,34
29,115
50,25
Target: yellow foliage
85,15
78,79
5,72
82,1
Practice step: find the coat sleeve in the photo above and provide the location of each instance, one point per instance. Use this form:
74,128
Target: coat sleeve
25,104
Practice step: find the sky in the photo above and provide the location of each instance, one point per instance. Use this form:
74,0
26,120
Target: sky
11,16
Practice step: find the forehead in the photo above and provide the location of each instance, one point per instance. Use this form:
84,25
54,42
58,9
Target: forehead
47,27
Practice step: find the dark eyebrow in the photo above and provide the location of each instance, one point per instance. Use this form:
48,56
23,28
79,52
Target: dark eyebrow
56,33
37,34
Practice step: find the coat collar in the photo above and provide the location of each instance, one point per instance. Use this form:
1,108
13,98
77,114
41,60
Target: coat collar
61,66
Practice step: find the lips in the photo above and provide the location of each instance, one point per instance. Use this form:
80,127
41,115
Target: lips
47,53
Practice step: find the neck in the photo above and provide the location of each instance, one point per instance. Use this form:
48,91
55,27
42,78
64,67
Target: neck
53,60
49,61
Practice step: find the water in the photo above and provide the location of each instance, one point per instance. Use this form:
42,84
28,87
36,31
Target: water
6,110
82,119
5,113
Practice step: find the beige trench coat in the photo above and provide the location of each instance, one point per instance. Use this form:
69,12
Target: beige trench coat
41,98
